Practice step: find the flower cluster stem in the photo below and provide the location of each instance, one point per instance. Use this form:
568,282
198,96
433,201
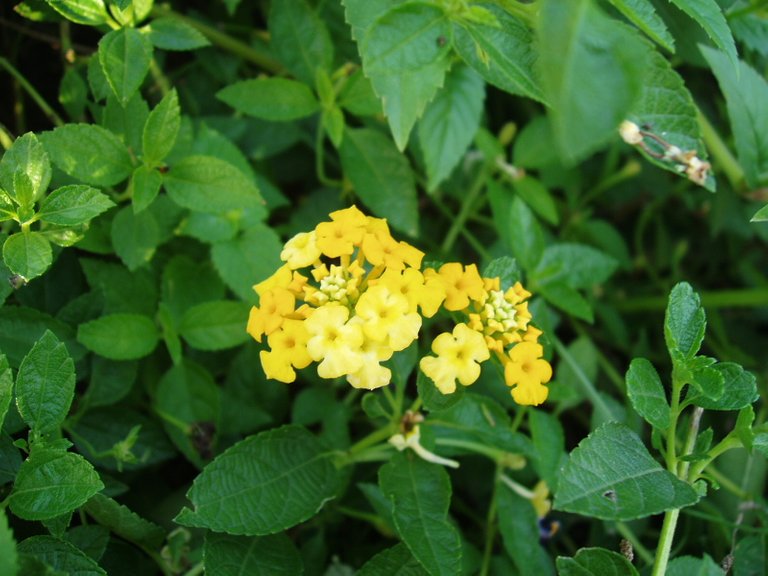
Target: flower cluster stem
680,469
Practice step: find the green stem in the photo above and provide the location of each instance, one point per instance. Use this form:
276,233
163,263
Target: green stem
198,568
259,57
466,208
729,442
681,470
720,152
468,236
589,387
33,93
492,453
490,526
637,546
159,77
746,298
373,438
665,542
320,158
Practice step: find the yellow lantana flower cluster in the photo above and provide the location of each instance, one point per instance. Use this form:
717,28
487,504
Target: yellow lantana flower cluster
349,296
496,323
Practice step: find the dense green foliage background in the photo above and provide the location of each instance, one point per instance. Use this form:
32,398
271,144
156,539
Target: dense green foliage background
157,157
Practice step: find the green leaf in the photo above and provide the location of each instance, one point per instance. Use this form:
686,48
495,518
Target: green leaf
263,484
247,260
89,153
26,155
501,54
119,336
6,387
761,215
73,93
519,527
161,129
643,15
504,268
575,265
88,12
208,184
144,186
89,538
397,561
517,225
123,522
405,55
538,197
125,55
382,177
215,325
358,96
610,475
450,122
705,377
592,71
109,381
421,494
665,105
548,439
60,555
300,39
475,419
746,94
276,99
595,562
122,290
22,327
169,33
646,392
361,14
186,283
73,205
567,299
684,321
760,443
188,394
274,555
739,389
8,554
135,237
45,384
710,17
690,566
51,483
27,254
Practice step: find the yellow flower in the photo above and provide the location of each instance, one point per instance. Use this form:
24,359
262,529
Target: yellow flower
386,318
301,250
334,342
281,278
372,374
462,284
340,236
527,372
288,350
425,294
380,249
458,357
274,306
